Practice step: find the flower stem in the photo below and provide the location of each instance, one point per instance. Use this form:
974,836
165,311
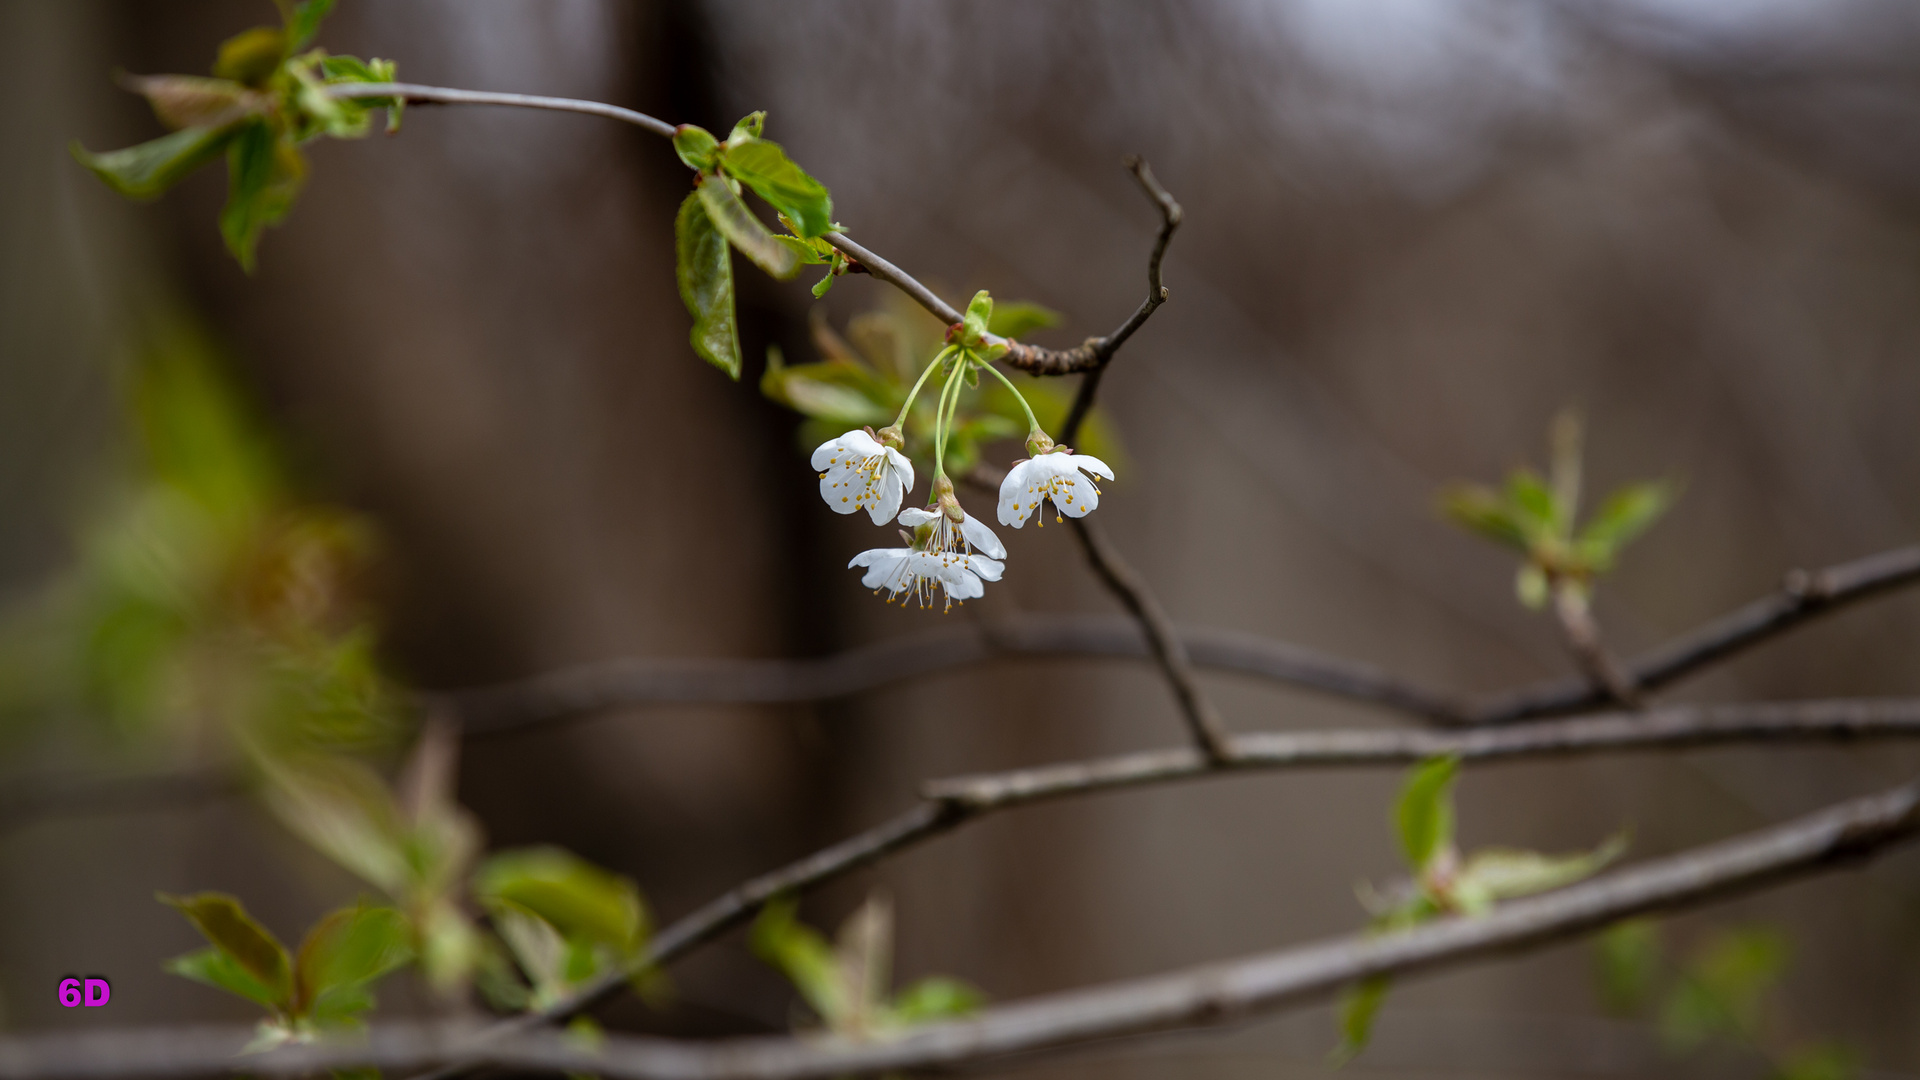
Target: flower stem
1032,424
915,392
943,418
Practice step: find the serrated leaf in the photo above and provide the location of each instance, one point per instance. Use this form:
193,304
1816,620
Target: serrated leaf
579,899
1626,514
936,997
1481,510
705,272
264,174
764,167
1504,873
221,971
800,953
150,168
697,147
1424,814
744,231
305,21
1016,317
225,923
1359,1005
347,949
251,56
1627,964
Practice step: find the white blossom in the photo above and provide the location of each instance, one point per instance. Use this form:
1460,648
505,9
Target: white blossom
972,533
921,575
1052,476
857,472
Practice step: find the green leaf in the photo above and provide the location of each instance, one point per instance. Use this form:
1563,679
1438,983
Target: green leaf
936,998
580,899
1626,514
764,167
187,101
144,171
222,972
1533,506
863,950
747,128
696,146
705,272
537,946
1358,1006
341,807
1820,1061
838,390
1724,986
743,230
974,322
1016,317
225,923
1481,510
1504,873
1531,585
348,949
305,22
252,56
264,174
1424,814
340,1006
801,954
1627,964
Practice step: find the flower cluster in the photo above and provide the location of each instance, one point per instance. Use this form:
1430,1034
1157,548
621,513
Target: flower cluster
949,554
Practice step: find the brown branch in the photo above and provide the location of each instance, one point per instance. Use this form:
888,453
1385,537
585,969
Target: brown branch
1203,723
1582,635
1802,596
1196,997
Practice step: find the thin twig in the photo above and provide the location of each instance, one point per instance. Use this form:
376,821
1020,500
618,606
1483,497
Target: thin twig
1196,997
415,94
1582,635
592,688
1802,596
1203,723
1104,348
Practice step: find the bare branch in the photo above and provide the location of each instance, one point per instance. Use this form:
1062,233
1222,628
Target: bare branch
1195,997
1670,727
1582,635
415,94
1802,596
1203,723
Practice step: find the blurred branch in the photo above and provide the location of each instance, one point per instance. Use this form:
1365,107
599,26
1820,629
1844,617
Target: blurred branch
25,801
1671,727
1802,596
1203,722
1582,635
1196,997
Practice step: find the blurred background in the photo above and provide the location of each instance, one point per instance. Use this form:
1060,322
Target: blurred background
1415,229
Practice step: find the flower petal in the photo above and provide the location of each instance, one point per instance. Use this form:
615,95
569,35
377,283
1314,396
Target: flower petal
1091,464
975,532
914,516
989,569
1014,505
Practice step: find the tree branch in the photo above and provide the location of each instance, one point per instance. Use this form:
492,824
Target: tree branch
1196,997
1203,722
1582,635
415,94
1802,596
24,801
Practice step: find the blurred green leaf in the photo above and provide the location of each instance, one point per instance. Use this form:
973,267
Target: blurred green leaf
1626,514
1013,318
936,998
252,56
150,168
193,101
578,898
764,167
221,971
747,128
863,951
224,922
1532,586
304,22
696,147
1724,985
1482,510
705,273
344,951
1424,814
841,391
1627,964
264,174
1533,507
1359,1005
1820,1061
341,807
800,953
1496,874
537,946
744,231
